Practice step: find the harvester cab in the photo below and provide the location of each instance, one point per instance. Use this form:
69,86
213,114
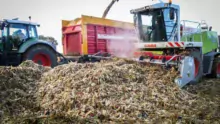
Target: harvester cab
159,22
165,40
19,41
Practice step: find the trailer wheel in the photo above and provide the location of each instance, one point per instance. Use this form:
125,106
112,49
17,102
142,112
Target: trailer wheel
42,55
198,67
216,68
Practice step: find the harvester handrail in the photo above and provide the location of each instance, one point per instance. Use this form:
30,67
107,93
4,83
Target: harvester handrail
190,21
198,29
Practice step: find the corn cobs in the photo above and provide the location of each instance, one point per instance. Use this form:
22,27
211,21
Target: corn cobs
113,91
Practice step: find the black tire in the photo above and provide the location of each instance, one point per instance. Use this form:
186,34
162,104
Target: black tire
50,54
215,67
197,55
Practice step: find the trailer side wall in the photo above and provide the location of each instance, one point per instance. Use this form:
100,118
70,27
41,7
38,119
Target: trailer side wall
89,35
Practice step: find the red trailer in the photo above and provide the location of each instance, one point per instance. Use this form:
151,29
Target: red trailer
89,35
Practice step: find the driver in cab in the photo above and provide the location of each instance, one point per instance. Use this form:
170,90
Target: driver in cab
19,34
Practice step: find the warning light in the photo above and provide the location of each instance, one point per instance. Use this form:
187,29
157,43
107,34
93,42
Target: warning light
170,1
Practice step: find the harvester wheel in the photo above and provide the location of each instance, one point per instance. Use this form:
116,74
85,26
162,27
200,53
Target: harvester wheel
198,67
216,68
42,55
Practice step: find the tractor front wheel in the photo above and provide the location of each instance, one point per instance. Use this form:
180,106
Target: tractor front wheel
42,55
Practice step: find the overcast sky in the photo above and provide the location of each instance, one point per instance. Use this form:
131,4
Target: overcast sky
49,13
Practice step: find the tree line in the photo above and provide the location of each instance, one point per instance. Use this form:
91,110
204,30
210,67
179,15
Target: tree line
48,38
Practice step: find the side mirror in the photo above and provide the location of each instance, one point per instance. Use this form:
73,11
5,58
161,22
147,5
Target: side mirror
210,28
135,19
172,14
2,26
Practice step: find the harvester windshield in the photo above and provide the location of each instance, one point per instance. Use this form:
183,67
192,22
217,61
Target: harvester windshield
151,26
156,23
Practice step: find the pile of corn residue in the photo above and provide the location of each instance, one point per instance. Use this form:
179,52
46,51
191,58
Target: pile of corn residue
114,91
17,90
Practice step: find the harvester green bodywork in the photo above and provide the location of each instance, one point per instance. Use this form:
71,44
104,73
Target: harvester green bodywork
209,39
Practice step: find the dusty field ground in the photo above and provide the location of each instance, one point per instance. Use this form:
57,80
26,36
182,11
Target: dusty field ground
117,91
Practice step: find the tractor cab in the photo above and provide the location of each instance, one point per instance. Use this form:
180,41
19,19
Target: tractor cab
158,22
19,41
14,33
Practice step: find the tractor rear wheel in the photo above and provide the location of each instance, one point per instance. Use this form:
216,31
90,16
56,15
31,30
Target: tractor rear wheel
216,68
42,55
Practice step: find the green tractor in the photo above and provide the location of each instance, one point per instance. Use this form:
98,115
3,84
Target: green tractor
19,41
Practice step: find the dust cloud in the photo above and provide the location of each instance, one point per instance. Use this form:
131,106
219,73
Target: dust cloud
124,47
